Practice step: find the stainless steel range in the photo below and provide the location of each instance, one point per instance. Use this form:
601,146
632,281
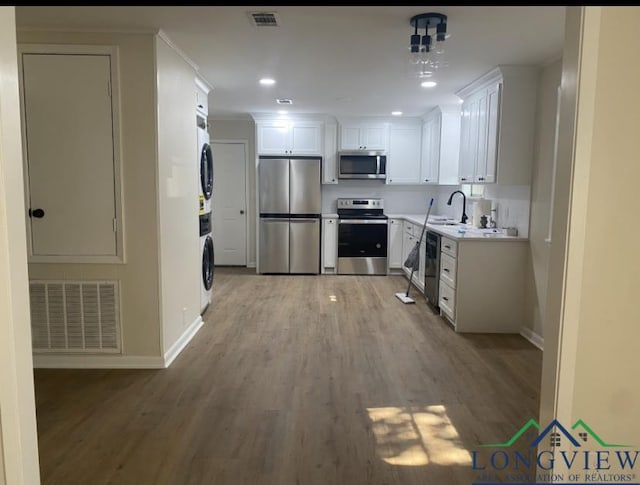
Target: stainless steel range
362,237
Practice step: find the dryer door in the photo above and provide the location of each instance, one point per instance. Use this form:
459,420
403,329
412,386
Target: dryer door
206,171
207,264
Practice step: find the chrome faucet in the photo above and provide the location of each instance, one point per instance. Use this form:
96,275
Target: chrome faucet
463,220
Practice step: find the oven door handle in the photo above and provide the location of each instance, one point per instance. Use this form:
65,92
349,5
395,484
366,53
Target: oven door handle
362,221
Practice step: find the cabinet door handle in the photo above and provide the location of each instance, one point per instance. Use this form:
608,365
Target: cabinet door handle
37,213
241,211
426,180
480,178
445,269
463,179
448,247
445,298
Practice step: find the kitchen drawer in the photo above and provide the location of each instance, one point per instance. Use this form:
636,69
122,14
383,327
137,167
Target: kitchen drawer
447,300
449,246
448,270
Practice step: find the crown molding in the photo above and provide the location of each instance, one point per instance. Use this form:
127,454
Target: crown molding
85,30
163,35
203,84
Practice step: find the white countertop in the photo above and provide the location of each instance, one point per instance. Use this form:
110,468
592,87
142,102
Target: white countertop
329,216
471,233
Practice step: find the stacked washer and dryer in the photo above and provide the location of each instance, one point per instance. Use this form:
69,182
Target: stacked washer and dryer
205,163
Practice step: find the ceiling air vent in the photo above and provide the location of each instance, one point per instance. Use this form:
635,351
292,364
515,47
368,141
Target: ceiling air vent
284,101
263,19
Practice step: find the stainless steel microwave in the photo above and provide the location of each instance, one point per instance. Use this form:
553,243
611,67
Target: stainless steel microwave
359,164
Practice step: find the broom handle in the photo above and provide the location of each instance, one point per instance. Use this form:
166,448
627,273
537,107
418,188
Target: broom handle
419,243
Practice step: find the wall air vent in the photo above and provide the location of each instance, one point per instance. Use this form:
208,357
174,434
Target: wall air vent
75,316
263,19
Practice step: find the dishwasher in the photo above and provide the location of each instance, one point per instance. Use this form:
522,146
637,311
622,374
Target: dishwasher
432,268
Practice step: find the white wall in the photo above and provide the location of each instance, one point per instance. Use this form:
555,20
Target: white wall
139,278
227,129
398,199
2,472
18,440
598,378
538,269
179,237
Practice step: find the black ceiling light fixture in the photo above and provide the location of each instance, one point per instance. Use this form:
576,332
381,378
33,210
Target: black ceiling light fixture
427,51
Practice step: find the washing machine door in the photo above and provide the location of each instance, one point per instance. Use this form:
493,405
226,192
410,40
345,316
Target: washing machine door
206,171
207,263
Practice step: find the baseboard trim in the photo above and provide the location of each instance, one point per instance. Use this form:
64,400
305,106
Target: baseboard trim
532,337
171,354
41,361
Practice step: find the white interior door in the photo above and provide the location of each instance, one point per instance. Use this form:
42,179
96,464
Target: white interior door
70,154
229,203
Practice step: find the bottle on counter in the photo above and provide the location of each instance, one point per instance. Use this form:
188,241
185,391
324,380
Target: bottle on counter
493,223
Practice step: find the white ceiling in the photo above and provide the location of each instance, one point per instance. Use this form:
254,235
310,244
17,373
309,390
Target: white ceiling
337,60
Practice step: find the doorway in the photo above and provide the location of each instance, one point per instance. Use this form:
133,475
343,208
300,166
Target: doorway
230,202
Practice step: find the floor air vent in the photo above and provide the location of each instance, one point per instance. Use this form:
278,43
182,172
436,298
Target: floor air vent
263,19
75,316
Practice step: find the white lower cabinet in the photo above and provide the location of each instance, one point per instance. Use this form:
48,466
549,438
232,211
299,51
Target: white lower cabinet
408,241
482,285
447,301
329,245
411,237
394,246
419,278
329,161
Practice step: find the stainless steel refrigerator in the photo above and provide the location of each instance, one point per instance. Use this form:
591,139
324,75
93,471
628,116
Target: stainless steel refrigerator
289,207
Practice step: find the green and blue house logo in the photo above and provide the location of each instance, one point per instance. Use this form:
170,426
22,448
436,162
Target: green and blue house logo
582,455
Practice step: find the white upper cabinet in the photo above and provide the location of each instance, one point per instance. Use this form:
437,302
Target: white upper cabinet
403,162
290,138
440,146
498,127
364,136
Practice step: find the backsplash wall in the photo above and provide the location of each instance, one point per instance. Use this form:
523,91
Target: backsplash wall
398,199
511,201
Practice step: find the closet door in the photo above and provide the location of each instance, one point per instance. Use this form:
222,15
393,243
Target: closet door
69,135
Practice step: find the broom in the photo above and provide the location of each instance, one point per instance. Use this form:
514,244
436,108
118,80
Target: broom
413,260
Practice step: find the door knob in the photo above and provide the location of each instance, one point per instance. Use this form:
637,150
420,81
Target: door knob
241,211
37,213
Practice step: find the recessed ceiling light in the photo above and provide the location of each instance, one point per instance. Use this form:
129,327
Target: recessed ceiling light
429,84
396,113
267,81
282,111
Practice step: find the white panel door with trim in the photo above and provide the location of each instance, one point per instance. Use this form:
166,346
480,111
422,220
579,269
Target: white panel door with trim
229,203
70,154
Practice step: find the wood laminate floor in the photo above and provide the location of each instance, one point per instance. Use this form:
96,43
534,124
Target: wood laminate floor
294,380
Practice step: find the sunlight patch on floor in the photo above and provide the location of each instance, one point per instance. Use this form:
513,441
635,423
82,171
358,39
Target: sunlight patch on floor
417,436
